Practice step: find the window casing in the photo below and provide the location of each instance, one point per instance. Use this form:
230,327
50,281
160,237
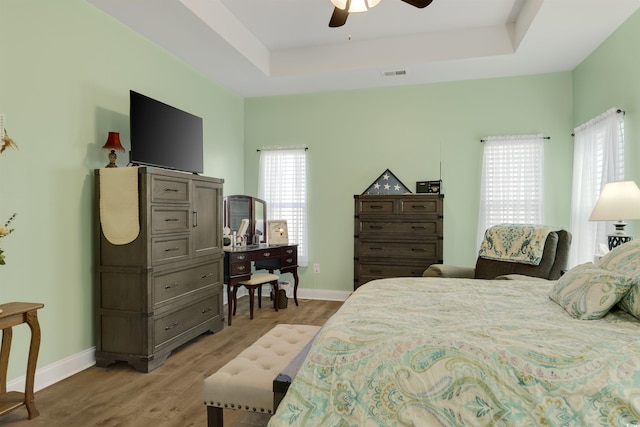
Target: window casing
512,183
598,158
283,185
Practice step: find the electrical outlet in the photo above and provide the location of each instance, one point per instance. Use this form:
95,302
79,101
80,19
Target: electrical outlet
316,268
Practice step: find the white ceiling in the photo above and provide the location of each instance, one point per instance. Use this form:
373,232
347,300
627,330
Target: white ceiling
276,47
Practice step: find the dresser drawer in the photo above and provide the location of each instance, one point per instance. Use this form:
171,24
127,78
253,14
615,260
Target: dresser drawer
180,321
169,249
376,206
376,227
380,271
169,189
169,220
272,252
420,206
171,285
404,250
289,251
288,261
238,257
239,264
239,268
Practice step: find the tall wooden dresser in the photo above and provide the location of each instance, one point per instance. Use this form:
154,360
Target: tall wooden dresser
164,288
396,235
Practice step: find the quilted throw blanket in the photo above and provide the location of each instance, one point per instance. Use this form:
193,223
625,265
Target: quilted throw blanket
515,243
463,352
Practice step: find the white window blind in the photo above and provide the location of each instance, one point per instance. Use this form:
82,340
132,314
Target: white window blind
598,158
512,183
283,185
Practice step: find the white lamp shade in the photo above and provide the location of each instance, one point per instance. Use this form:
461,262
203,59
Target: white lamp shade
618,201
356,5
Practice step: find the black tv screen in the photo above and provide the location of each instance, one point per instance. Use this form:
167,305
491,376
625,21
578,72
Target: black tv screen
164,136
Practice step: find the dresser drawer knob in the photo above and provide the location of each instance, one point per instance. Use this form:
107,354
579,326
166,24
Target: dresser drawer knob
166,328
172,285
170,190
171,220
241,268
376,206
418,250
206,310
266,254
289,260
204,276
289,251
376,249
375,227
172,249
419,227
418,207
375,271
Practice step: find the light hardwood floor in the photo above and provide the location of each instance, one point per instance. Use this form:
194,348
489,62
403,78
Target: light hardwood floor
171,395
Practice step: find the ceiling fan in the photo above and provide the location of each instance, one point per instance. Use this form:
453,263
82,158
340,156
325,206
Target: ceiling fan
344,7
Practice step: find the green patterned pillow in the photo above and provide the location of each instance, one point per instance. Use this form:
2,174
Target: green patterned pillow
631,301
587,292
625,259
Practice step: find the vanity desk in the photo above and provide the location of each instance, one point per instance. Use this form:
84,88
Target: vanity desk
238,263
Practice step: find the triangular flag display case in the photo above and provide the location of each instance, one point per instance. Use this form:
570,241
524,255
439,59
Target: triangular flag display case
387,183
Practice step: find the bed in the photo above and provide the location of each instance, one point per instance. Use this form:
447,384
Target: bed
469,352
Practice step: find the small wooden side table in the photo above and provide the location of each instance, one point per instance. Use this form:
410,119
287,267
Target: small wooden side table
13,314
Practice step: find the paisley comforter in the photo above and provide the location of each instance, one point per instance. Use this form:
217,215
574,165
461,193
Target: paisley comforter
463,352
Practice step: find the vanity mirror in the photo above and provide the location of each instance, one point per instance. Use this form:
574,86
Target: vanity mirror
239,207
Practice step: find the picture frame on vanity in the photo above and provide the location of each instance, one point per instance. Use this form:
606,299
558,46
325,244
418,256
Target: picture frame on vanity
277,232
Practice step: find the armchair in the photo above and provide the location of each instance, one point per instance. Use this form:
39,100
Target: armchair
550,267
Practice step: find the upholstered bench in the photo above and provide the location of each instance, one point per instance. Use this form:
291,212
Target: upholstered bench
246,382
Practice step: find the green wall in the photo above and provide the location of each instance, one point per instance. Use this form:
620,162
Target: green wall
65,71
610,77
353,136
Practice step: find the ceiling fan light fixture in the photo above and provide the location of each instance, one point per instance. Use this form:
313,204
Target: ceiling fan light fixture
356,5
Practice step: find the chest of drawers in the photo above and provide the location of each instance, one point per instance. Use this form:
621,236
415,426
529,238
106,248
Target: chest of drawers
396,235
165,287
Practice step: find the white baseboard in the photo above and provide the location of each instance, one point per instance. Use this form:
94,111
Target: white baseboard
58,371
321,294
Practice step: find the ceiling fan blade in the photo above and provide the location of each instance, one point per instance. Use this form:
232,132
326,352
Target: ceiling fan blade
339,17
418,3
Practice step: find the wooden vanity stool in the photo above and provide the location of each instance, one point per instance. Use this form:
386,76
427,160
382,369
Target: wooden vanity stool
256,281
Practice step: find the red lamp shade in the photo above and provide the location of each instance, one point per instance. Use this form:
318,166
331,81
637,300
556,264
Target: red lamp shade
113,142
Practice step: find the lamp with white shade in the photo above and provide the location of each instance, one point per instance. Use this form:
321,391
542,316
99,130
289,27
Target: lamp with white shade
618,201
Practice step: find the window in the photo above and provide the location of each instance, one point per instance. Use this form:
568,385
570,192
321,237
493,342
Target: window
511,189
598,158
283,185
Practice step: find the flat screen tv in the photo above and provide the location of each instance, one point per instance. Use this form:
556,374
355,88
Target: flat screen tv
164,136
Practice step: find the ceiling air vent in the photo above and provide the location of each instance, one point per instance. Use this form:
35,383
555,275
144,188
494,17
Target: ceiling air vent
394,73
